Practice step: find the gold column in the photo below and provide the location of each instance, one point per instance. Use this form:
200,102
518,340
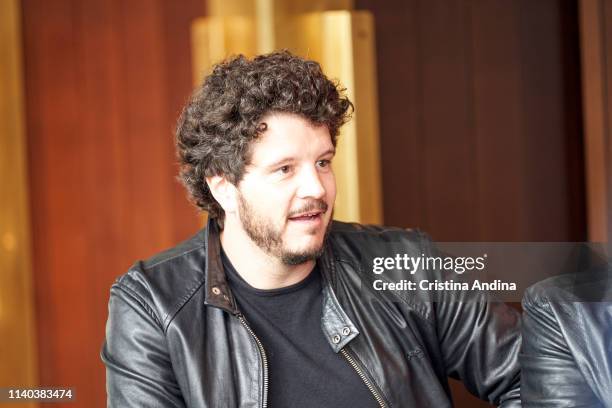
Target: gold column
343,42
17,329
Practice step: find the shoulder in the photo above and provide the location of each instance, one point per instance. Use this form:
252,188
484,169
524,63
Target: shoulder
571,308
358,248
166,281
594,285
357,240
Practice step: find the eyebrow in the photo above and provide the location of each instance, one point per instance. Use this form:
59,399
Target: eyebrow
288,160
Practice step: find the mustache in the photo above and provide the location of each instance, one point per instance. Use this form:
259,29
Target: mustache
314,205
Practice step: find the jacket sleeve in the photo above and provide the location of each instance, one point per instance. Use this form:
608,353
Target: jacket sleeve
480,340
551,377
138,367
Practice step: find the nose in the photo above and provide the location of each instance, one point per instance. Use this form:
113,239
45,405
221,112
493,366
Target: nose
310,184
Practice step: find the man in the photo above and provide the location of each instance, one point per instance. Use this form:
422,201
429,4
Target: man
269,305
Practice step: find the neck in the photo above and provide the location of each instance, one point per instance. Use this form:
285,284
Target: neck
258,268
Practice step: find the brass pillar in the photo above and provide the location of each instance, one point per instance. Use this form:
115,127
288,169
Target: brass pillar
18,358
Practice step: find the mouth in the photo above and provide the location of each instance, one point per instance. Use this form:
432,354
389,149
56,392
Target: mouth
310,216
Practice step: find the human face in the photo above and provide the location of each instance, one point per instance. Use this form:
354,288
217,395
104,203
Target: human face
287,194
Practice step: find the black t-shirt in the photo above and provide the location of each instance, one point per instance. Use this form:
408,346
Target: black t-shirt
303,369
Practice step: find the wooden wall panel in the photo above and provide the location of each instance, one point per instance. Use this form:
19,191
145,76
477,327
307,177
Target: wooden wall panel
552,117
105,81
498,121
480,118
398,48
596,56
445,131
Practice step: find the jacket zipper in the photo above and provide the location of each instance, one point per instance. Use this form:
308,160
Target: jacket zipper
264,359
363,377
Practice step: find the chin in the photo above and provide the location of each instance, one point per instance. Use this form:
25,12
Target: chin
302,253
299,257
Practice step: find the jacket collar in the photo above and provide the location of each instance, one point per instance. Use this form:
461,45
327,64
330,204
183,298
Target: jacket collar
339,330
218,293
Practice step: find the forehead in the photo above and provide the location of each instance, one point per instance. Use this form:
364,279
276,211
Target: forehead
289,136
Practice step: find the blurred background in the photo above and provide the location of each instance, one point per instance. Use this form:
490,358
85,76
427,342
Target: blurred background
476,120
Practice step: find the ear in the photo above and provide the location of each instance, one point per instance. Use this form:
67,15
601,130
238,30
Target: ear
224,192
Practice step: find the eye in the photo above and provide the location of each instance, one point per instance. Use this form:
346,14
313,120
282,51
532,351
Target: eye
284,169
324,163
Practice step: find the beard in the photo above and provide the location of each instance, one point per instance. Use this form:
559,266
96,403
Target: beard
263,233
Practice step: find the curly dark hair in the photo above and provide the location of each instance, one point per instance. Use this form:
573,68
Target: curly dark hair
222,118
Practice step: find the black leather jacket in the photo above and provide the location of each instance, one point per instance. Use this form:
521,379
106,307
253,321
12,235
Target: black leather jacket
176,338
567,346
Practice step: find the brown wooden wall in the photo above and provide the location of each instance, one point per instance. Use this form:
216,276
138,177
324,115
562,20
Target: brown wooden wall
104,84
480,118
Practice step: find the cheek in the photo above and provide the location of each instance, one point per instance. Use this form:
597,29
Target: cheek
276,201
330,189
